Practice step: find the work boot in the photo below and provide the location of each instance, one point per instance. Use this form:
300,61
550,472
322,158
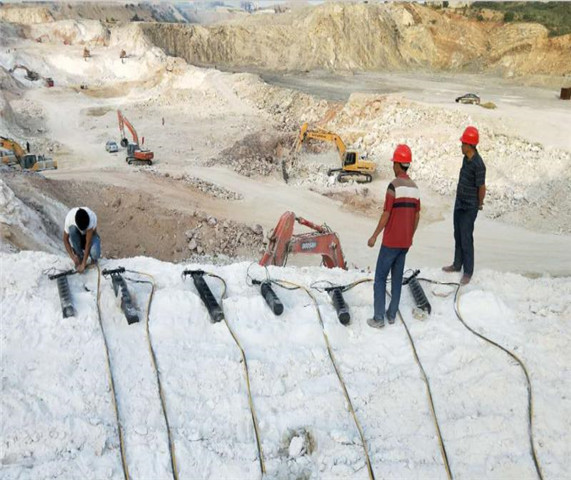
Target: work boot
376,323
465,280
450,269
391,320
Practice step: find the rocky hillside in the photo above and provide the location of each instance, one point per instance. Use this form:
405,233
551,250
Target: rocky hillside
393,36
107,12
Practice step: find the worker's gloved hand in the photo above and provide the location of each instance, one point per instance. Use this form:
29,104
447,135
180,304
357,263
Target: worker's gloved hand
372,241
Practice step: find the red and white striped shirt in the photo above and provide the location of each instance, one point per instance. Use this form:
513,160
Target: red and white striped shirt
402,200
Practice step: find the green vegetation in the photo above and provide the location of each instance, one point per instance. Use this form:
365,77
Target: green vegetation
555,16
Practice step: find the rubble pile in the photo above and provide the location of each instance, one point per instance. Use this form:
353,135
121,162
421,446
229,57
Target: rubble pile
204,186
286,106
212,189
211,236
518,183
257,154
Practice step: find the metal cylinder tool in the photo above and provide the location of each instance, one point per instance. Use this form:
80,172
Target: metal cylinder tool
120,286
271,298
65,297
66,301
210,302
336,294
417,292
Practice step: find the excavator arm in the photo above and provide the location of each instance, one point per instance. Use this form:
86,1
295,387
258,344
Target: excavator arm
322,242
352,165
12,146
123,122
323,135
134,151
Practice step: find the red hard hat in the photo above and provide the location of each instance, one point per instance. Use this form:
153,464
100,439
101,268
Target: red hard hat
470,136
402,154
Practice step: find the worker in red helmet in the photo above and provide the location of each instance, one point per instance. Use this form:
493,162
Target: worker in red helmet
399,221
469,199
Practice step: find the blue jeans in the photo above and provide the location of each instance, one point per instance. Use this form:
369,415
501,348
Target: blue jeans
390,259
464,220
77,241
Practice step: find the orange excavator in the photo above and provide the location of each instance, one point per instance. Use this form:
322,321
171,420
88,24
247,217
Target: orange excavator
135,154
321,241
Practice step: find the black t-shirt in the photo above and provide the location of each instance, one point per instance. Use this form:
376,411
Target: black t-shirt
472,176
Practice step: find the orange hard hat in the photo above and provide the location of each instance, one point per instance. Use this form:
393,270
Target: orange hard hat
470,136
402,154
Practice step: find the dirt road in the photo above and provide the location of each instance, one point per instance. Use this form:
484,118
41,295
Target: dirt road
197,131
265,200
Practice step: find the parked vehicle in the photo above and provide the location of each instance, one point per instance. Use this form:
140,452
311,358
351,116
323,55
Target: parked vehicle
111,146
470,98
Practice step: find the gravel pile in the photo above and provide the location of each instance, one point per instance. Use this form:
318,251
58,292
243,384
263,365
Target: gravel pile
257,154
222,237
528,184
212,189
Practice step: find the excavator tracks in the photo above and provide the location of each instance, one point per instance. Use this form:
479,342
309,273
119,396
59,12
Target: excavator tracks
359,177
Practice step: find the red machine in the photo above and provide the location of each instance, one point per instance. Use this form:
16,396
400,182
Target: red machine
135,154
323,242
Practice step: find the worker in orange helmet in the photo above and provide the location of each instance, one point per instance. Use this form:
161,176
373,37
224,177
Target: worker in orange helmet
399,221
469,199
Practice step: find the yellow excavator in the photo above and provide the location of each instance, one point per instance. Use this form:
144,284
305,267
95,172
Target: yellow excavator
23,160
352,165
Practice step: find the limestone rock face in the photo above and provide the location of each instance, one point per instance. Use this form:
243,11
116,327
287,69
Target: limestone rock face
360,37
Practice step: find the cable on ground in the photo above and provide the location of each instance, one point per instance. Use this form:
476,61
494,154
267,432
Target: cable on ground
152,283
247,374
111,381
293,286
512,355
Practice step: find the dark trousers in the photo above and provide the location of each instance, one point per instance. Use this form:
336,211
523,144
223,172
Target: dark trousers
464,220
390,260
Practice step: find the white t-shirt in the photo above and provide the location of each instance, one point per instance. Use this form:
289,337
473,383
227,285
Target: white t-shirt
70,219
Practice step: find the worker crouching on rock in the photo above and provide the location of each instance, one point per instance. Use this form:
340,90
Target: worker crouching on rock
80,237
399,221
